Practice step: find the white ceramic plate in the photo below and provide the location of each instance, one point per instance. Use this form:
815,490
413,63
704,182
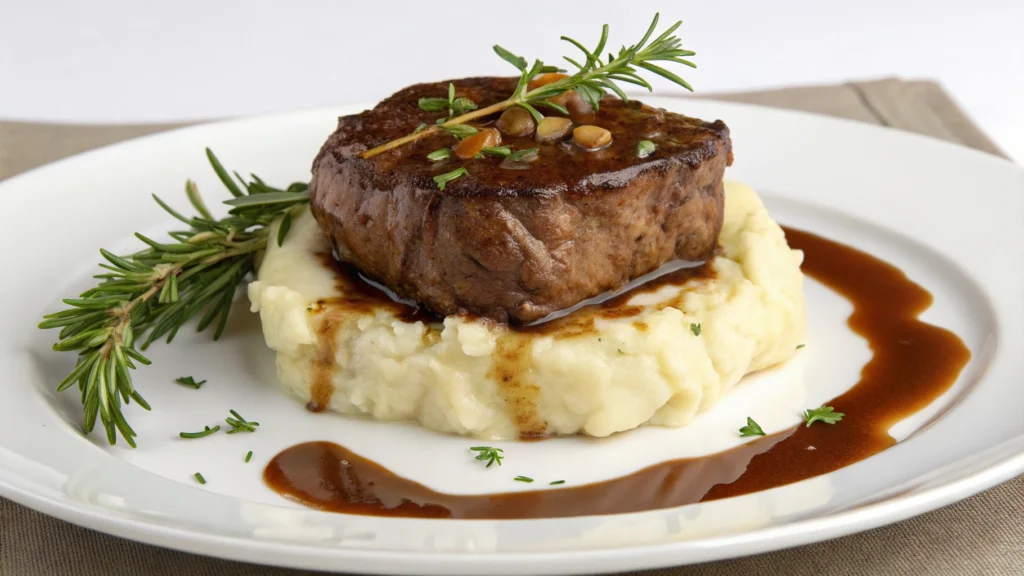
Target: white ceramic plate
950,217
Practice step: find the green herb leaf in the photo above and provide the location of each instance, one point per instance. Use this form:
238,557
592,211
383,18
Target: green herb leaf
202,434
433,104
442,180
462,105
556,482
282,230
440,154
451,93
527,155
518,61
499,151
537,116
190,382
644,148
825,414
751,429
419,128
248,457
526,479
591,94
695,328
488,454
460,131
799,346
199,478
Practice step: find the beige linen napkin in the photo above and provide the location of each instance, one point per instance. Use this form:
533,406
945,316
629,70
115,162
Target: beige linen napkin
981,535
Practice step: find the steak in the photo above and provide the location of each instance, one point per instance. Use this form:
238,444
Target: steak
516,241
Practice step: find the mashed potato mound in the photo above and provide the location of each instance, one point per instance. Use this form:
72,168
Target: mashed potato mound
664,355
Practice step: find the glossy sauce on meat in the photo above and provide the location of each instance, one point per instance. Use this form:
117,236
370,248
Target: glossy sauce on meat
913,363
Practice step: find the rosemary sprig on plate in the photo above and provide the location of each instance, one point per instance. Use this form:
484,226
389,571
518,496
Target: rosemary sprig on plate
154,292
595,76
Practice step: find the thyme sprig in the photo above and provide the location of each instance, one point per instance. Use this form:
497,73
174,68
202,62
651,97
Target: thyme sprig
595,76
158,289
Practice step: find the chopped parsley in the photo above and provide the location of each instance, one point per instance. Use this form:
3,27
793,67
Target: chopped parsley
695,328
751,429
190,382
825,414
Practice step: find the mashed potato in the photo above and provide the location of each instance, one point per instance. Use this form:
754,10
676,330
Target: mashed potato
658,358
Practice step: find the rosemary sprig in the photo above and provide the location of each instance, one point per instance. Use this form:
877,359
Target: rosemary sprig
159,289
594,78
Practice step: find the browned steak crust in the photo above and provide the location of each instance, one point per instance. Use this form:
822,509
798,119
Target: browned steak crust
518,244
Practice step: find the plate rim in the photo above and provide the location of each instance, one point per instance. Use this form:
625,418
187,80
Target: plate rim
773,537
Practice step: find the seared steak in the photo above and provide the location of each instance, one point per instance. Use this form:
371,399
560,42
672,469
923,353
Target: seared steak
515,242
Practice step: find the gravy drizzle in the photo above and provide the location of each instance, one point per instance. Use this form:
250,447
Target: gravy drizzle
913,363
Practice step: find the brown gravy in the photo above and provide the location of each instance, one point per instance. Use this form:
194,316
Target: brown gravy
913,363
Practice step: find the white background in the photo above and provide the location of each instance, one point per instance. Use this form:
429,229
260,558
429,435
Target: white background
137,61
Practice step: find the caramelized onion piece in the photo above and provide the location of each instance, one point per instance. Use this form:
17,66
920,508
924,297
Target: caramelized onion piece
516,121
553,128
591,137
472,145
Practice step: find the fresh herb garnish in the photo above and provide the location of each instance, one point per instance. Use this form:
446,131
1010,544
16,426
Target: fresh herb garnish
488,454
594,78
433,104
239,424
199,478
825,414
454,106
523,155
620,350
499,151
190,382
201,434
159,289
556,482
751,429
442,180
526,479
460,131
695,328
644,148
461,105
440,154
248,457
799,346
419,128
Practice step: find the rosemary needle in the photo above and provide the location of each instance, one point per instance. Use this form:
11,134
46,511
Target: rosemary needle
248,457
199,477
526,479
202,434
556,482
